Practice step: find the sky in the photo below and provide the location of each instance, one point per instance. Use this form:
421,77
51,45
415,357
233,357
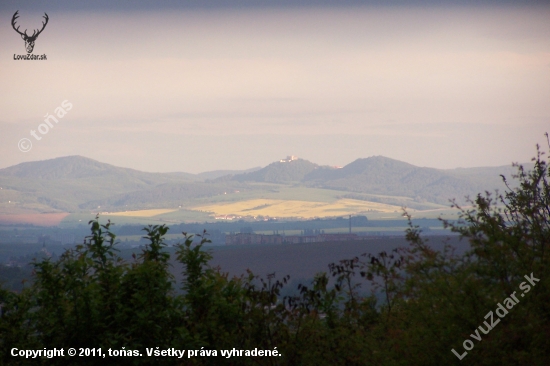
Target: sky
204,85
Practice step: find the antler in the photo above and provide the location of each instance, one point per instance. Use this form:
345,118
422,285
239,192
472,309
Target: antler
34,34
15,16
43,25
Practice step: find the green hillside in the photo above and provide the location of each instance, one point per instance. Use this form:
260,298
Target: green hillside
65,183
78,184
279,172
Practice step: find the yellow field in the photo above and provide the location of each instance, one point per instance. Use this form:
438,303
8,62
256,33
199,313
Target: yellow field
140,213
293,208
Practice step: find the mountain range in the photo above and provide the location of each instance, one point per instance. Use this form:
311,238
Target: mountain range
78,184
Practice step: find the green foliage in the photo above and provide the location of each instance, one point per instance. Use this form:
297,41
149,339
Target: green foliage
410,306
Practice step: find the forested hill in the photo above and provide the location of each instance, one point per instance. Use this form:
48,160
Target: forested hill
384,176
74,183
280,172
77,183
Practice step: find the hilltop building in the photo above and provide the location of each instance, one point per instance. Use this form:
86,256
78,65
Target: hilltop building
288,159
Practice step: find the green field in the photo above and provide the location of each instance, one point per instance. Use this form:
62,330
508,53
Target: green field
259,200
273,201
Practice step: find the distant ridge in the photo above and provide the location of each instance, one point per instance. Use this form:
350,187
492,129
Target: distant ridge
279,172
86,169
381,175
73,167
221,173
75,183
77,167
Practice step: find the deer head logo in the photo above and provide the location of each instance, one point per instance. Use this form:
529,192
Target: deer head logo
29,40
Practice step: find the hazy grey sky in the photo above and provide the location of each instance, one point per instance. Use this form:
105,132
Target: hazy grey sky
195,89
